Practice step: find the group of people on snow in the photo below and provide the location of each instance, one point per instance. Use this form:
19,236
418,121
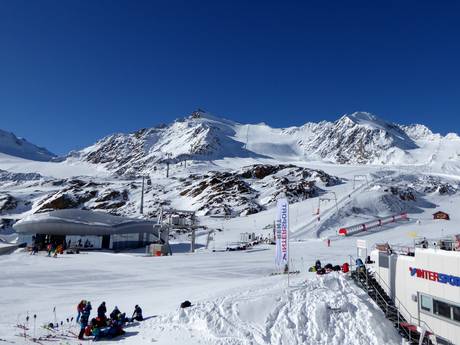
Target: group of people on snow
345,268
328,268
101,326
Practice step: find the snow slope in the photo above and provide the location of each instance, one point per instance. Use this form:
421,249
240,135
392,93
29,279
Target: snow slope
65,169
19,147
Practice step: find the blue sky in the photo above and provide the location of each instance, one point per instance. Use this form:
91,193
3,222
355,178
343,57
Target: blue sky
73,71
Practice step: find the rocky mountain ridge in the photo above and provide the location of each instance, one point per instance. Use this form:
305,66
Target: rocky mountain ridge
358,138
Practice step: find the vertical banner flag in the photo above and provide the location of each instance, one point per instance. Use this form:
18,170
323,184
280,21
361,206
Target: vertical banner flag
282,230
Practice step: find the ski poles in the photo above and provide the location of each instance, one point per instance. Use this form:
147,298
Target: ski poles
35,324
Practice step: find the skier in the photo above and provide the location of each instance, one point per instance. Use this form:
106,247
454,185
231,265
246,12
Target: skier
84,320
137,315
80,308
101,312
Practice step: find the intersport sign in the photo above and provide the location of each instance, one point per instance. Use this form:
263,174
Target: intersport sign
435,276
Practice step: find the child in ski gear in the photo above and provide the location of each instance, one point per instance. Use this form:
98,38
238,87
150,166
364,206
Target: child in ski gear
137,315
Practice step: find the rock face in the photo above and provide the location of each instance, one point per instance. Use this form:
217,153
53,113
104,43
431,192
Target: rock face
19,147
7,203
84,194
253,188
225,193
406,194
18,177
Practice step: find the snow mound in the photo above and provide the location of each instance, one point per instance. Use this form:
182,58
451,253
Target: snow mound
324,310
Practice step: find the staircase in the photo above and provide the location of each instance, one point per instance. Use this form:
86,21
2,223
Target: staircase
366,280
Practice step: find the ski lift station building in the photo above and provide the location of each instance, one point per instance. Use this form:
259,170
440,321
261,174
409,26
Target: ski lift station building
424,283
90,229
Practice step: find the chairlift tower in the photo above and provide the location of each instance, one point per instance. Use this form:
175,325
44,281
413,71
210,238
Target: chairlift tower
168,161
330,196
142,196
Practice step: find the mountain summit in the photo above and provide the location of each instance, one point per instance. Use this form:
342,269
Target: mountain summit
358,138
11,145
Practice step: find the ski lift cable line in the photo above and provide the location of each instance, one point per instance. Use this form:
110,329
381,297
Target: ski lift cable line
310,225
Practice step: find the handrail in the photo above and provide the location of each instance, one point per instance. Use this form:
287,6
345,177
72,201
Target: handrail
396,299
402,305
387,305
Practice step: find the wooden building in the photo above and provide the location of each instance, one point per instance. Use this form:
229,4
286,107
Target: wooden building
441,215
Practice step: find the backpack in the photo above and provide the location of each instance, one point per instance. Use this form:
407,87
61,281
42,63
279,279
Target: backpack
321,271
88,331
185,304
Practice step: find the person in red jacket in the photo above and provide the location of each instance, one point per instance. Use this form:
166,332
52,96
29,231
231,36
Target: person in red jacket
80,308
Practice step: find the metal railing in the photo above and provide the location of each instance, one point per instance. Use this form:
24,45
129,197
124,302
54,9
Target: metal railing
396,306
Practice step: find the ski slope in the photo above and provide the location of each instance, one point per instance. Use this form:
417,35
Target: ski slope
236,299
65,169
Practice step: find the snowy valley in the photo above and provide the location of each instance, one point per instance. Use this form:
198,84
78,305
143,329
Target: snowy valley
334,174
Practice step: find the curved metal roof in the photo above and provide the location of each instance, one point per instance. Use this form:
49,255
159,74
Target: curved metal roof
82,222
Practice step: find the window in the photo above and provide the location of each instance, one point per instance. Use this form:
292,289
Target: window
441,308
383,260
456,313
426,303
442,341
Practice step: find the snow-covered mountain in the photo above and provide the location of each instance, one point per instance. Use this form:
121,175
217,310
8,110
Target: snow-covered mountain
358,138
200,136
11,145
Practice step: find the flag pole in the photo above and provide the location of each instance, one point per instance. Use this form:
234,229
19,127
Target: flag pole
288,249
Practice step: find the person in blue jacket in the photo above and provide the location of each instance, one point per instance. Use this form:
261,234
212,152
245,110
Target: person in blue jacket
359,264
